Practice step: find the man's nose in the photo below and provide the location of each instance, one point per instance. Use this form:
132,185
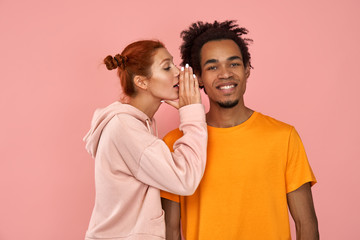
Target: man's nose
225,72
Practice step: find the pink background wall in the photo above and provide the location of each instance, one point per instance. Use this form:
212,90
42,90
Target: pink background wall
306,59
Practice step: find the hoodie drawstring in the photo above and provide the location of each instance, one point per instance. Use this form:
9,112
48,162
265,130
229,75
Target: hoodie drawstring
156,130
150,126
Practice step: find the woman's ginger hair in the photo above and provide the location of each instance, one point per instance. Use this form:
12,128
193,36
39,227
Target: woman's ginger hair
135,59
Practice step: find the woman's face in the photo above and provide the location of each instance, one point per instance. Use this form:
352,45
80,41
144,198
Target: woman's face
164,81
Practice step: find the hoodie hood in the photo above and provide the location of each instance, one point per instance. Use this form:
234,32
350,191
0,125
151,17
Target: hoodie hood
102,117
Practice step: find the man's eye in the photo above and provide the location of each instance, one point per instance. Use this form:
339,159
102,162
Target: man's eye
211,68
235,64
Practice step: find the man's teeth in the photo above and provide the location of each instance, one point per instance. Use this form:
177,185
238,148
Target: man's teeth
226,87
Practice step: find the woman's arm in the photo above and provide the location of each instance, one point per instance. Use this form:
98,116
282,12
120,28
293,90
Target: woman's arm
179,171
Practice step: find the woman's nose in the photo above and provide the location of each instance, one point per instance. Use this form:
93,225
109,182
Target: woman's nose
177,71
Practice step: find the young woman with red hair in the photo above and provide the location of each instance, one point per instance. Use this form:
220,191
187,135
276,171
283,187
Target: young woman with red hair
131,163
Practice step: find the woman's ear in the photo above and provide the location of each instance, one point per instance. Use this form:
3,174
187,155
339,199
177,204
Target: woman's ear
141,82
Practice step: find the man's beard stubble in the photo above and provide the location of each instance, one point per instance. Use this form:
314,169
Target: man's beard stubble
228,104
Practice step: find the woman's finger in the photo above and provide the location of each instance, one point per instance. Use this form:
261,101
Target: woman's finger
196,84
197,89
191,81
186,80
181,83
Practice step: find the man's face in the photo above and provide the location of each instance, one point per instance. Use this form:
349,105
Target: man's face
223,75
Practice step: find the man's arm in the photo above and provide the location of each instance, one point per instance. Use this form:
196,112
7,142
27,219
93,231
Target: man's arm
302,210
172,219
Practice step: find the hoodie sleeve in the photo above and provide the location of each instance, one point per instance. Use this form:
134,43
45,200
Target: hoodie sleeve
179,171
150,160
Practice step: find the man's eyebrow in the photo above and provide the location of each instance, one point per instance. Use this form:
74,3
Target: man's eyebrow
210,61
234,58
228,59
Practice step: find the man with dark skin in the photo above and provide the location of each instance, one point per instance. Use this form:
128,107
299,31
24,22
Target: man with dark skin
256,169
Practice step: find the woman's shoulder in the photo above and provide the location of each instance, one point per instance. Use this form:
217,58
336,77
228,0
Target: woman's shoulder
124,122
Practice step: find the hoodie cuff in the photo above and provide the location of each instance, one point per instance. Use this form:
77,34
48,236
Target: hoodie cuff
192,113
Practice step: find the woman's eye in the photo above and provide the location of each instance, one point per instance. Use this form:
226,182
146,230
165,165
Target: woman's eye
167,69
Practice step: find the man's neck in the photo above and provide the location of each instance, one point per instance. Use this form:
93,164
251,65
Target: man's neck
227,117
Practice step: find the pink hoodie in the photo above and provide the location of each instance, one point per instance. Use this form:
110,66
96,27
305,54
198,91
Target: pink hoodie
131,165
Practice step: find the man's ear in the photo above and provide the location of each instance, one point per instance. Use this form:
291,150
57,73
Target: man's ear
201,84
141,82
247,71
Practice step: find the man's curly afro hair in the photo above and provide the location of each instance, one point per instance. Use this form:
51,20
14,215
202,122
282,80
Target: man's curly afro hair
200,33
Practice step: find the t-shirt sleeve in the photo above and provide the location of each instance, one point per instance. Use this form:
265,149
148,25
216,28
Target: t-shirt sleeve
298,170
170,139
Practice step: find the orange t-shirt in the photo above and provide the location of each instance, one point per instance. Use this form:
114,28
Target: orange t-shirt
250,169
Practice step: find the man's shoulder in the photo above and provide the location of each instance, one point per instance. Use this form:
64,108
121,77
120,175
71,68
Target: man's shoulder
271,122
172,136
